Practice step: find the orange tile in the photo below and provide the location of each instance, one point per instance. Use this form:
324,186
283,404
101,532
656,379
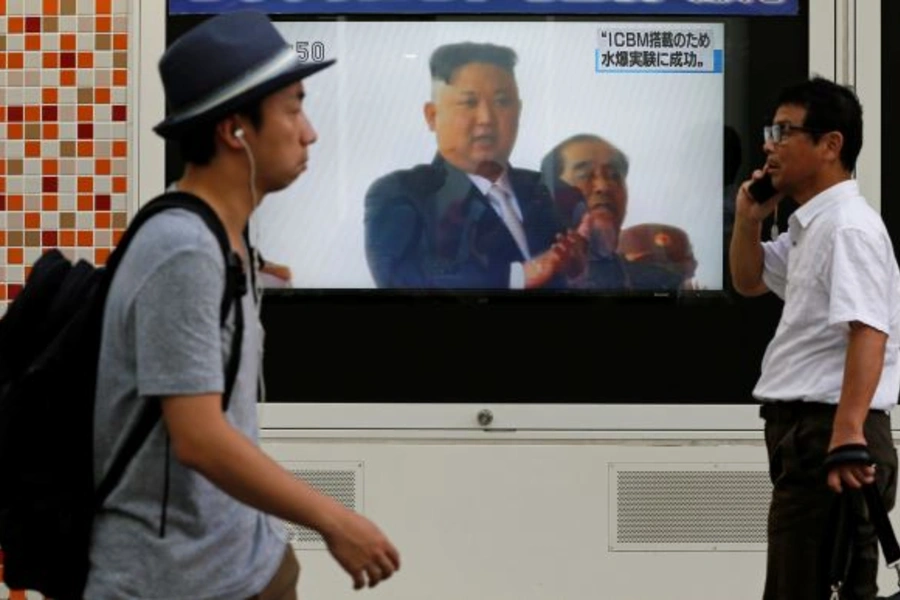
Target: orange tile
2,7
50,95
15,131
100,256
32,114
102,220
103,166
3,292
85,60
2,114
85,149
16,24
33,42
2,167
67,238
120,41
102,95
85,238
3,185
50,166
67,41
51,7
49,202
117,236
103,24
120,148
32,149
104,7
120,76
15,202
85,113
15,256
50,60
2,238
85,202
32,220
120,185
51,131
85,185
16,60
67,77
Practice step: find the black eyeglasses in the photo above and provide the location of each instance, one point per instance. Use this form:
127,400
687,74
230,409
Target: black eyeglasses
776,133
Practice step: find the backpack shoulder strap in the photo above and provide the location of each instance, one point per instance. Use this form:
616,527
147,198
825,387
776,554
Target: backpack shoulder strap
235,285
235,282
235,288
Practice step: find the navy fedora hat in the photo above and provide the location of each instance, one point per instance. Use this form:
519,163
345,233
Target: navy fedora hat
222,64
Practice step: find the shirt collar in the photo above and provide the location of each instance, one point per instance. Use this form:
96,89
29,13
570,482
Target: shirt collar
484,184
823,201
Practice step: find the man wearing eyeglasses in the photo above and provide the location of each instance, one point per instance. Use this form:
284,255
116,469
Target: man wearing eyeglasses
830,374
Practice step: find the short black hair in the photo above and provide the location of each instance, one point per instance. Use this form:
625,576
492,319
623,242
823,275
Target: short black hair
552,164
197,145
446,59
829,107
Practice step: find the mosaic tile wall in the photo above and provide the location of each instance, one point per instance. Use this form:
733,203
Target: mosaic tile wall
64,117
63,137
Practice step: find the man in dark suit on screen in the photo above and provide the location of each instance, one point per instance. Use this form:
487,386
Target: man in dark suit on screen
469,220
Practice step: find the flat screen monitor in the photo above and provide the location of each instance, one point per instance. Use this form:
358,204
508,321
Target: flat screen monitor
396,294
374,210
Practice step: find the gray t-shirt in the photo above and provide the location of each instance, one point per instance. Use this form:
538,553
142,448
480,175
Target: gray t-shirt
162,337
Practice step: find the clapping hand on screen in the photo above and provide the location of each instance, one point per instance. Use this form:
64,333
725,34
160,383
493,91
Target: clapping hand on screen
567,256
572,250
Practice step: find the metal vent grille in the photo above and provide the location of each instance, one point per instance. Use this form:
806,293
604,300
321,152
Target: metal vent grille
712,508
342,481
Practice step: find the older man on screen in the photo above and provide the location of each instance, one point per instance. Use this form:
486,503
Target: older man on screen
587,176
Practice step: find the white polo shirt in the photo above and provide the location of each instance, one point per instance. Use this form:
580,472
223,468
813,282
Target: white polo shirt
834,265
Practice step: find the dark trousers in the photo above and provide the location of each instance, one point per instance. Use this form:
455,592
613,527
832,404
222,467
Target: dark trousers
803,513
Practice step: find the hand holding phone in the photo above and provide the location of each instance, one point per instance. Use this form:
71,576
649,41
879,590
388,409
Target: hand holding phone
762,189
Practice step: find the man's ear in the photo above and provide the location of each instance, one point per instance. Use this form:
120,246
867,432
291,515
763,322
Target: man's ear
226,131
833,142
430,112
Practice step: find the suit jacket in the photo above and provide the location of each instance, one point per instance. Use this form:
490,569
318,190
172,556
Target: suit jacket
430,227
617,274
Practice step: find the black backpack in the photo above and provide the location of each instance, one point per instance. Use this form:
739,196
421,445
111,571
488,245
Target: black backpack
49,351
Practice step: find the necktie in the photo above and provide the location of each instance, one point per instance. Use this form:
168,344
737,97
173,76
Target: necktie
503,201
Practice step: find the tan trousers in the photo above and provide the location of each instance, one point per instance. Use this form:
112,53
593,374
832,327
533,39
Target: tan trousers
283,585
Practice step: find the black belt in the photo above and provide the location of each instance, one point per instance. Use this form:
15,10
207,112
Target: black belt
786,410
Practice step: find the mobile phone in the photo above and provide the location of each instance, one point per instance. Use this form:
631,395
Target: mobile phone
762,189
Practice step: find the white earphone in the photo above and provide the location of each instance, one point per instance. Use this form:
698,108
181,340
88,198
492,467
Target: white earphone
254,246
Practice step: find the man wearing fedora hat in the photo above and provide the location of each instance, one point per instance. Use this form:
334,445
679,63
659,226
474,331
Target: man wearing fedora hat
190,517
